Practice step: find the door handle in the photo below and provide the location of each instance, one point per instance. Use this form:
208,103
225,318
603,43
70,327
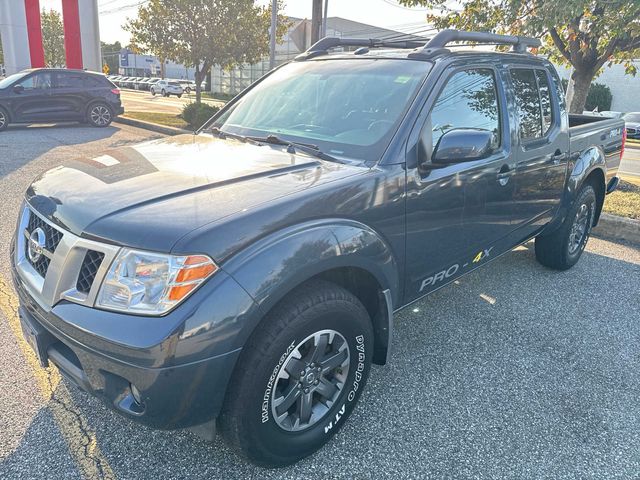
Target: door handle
557,157
504,174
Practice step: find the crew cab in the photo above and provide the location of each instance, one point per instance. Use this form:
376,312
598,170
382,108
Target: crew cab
247,277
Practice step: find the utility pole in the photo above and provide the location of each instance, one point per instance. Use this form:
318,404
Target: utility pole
324,18
316,21
272,39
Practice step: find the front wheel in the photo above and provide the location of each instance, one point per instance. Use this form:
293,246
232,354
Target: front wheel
300,376
562,249
100,115
164,93
179,95
4,119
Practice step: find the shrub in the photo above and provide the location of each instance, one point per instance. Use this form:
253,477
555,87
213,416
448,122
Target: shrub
599,96
196,114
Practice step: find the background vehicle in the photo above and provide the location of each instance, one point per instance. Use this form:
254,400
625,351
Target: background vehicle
249,275
166,88
58,95
632,123
187,85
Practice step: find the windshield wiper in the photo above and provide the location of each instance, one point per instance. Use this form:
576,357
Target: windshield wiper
220,134
307,148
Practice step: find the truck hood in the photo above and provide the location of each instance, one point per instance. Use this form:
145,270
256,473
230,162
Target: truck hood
150,195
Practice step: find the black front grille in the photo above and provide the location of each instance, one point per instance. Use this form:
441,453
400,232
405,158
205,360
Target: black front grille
52,240
90,265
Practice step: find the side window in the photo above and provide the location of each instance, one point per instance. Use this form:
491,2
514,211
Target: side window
69,80
38,81
527,102
545,101
469,100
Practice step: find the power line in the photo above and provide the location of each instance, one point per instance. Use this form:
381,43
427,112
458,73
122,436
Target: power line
413,9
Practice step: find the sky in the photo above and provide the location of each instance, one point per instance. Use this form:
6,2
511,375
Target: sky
381,13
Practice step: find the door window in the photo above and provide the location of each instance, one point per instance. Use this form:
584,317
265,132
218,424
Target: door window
533,102
37,81
69,80
469,100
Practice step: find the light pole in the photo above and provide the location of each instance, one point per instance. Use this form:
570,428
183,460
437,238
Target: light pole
272,40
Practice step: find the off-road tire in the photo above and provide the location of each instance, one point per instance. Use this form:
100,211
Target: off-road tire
562,249
248,422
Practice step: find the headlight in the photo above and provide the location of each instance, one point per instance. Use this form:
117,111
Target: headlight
152,283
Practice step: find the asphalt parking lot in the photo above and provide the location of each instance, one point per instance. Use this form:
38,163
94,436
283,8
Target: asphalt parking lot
514,371
140,101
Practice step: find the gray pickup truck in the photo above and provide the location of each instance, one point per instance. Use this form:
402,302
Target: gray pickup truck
245,278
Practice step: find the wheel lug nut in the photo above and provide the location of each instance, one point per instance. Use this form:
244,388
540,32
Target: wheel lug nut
316,382
306,390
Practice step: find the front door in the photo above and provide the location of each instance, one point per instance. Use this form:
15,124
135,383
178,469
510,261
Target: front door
456,212
32,103
544,148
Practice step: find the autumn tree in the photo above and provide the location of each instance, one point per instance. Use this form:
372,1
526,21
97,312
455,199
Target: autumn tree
53,38
585,34
203,33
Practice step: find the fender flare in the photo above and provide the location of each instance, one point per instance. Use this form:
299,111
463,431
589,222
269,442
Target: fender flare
588,161
273,266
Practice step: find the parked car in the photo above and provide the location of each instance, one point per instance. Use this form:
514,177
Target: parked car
247,277
632,123
611,114
188,86
143,84
57,95
166,88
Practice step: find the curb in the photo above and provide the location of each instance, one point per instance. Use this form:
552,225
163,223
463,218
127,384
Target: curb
614,227
154,127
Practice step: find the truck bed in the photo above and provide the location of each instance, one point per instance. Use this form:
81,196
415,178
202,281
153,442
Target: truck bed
587,131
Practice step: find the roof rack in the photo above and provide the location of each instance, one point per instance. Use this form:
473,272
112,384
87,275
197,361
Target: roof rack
443,38
322,46
432,47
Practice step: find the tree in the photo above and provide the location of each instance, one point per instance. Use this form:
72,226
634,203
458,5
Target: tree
203,33
153,32
53,38
586,34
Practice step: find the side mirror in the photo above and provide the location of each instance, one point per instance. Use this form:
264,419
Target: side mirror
18,89
462,145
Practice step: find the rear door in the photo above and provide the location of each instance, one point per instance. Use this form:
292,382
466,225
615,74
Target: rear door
457,211
543,153
69,95
33,103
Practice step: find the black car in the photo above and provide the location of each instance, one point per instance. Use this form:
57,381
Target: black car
58,95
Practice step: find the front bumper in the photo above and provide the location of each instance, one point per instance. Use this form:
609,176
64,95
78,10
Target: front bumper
177,396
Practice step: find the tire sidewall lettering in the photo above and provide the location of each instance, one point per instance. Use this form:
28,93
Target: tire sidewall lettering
268,392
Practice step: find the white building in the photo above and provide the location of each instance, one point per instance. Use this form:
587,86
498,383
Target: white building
625,89
295,41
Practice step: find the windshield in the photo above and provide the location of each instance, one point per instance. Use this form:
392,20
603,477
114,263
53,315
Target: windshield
12,78
632,117
349,108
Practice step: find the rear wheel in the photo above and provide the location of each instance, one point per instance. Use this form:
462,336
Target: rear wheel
300,377
562,249
100,115
164,93
153,92
4,119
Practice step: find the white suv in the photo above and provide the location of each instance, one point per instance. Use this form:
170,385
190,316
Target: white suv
167,88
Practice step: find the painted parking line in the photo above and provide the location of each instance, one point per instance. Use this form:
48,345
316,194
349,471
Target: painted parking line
75,429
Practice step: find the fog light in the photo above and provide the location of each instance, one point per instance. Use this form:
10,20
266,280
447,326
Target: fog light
136,394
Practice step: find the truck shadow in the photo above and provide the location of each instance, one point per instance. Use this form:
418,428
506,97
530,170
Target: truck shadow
21,144
514,370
